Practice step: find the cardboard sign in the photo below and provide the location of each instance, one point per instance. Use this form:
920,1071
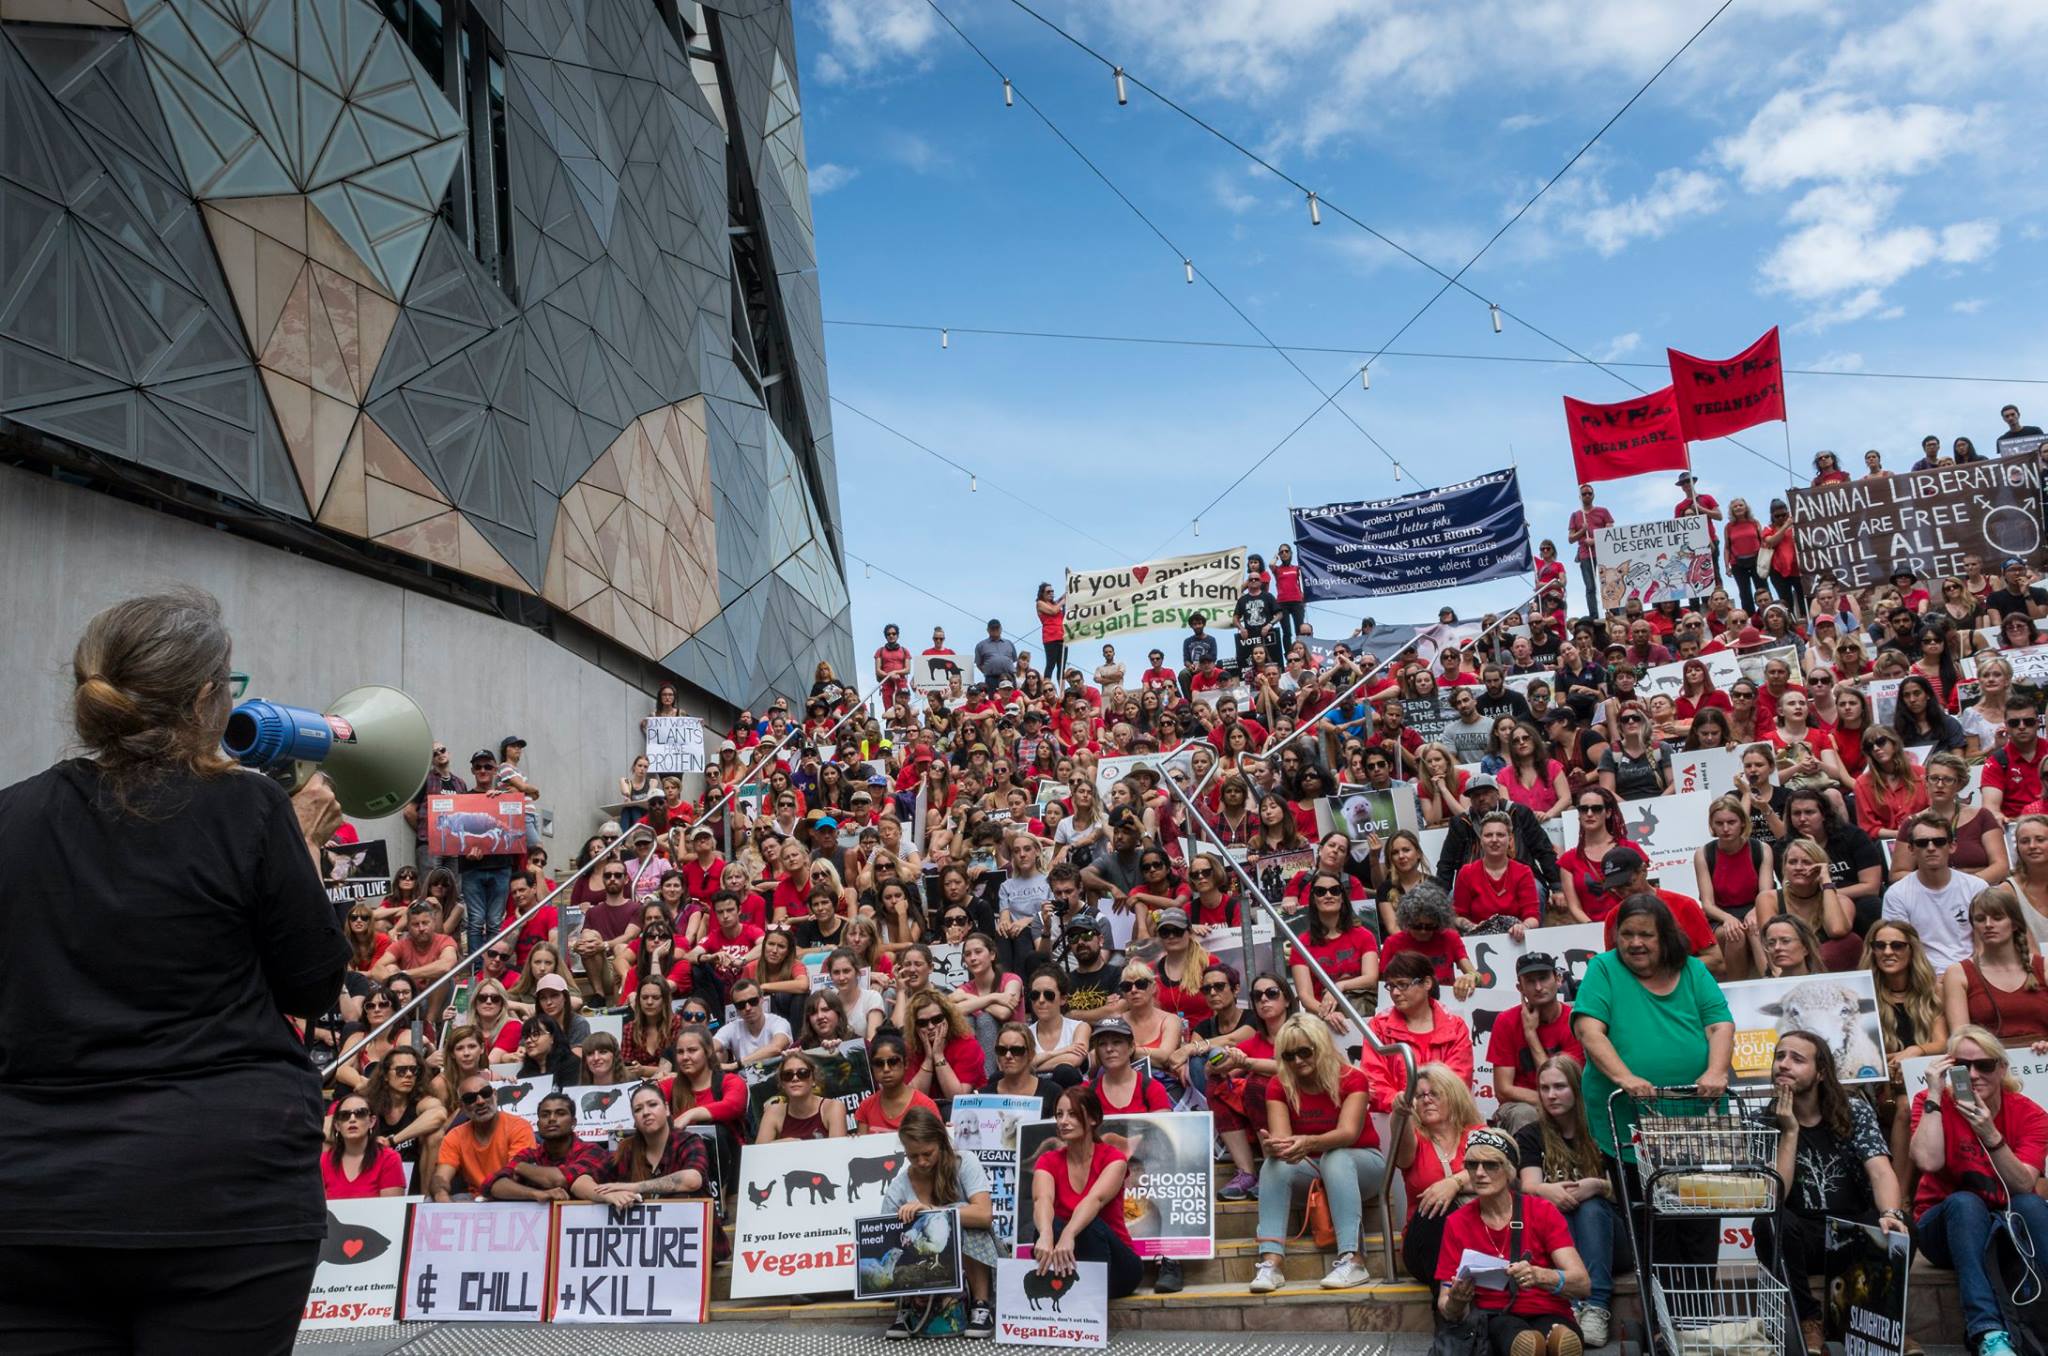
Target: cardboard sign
1360,812
476,1261
647,1263
1052,1310
985,1124
841,1074
1723,670
357,1280
1839,1007
1273,870
1865,1294
894,1260
522,1098
1711,770
603,1111
1110,771
353,871
934,672
793,1234
1168,1187
493,823
1929,522
1651,562
675,745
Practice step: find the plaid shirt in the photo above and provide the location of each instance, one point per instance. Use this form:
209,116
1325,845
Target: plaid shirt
581,1159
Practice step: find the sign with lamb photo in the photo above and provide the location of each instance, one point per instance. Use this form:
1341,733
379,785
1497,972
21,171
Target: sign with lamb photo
1840,1008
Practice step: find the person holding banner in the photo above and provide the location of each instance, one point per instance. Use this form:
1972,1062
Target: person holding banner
934,1177
1077,1197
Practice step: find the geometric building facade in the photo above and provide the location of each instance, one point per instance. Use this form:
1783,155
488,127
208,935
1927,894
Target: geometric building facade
523,292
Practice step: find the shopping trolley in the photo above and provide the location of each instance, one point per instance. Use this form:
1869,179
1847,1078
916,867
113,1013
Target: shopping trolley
1704,1157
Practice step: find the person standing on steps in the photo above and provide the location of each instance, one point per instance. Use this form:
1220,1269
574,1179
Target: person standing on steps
1586,522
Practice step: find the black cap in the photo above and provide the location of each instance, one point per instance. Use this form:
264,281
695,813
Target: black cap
1620,864
1111,1026
1085,921
1536,963
1123,817
483,756
510,741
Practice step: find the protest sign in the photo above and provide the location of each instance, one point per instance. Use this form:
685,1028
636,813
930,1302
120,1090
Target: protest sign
934,672
647,1263
949,966
675,745
1387,640
357,1279
894,1260
2029,664
1168,1187
353,871
1651,562
1723,669
1627,438
985,1125
603,1111
1754,663
1427,716
1865,1295
1669,829
1051,1310
522,1098
495,823
2031,1069
1465,533
1839,1007
1929,522
1360,811
475,1261
1716,399
793,1230
1159,594
1109,771
1272,870
842,1074
1710,770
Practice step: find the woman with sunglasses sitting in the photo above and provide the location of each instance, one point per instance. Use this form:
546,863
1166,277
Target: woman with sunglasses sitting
1059,1042
946,1060
1014,1076
1238,1066
1123,1089
800,1112
1533,1313
884,1108
1318,1128
1340,944
1155,1030
356,1165
408,1117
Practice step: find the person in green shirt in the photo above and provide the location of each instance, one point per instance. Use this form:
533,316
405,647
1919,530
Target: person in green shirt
1651,1016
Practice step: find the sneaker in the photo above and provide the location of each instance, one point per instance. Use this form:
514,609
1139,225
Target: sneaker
1995,1344
1595,1323
1168,1281
981,1320
1527,1344
1243,1186
899,1327
1563,1341
1812,1338
1269,1278
1347,1273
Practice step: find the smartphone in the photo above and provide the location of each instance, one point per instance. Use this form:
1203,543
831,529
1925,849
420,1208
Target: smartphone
1959,1084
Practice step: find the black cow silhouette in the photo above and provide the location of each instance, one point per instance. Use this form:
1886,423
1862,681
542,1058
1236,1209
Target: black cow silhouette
1048,1285
348,1244
596,1103
1482,1022
861,1171
807,1179
759,1194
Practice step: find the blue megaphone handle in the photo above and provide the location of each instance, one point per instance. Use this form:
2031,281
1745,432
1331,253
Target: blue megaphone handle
263,734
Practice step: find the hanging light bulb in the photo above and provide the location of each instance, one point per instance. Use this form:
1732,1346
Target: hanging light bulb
1009,94
871,571
1198,527
1315,211
945,339
1365,377
1496,316
1122,95
1397,471
973,484
1188,266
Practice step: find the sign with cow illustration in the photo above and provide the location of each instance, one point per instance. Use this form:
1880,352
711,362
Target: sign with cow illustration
1841,1008
798,1199
1052,1309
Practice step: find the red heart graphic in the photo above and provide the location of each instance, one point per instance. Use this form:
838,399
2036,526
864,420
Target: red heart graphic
1138,572
351,1246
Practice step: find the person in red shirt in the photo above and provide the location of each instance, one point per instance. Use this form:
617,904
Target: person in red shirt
1705,506
1584,524
1156,674
1077,1197
357,1165
1544,1270
704,868
1625,872
1319,1128
2012,775
728,946
892,667
1288,593
1525,1036
1340,944
1496,885
946,1061
1979,1154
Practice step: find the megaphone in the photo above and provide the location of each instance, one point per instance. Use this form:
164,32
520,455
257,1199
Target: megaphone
373,744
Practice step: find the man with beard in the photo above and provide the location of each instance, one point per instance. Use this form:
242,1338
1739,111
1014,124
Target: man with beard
481,1147
545,1171
1091,978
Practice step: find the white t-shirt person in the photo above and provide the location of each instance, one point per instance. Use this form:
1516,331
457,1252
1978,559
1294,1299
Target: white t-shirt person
737,1042
1941,914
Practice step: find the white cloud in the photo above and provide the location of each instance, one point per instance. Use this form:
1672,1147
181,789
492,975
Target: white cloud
864,34
1800,135
1837,362
1522,122
1674,197
826,176
1844,244
1939,47
1967,306
1224,188
913,151
1619,347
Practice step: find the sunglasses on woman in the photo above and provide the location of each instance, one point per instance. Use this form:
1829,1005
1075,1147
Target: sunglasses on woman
1135,985
794,1076
1007,1049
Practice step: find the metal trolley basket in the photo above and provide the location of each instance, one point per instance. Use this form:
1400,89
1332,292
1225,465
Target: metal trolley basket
1704,1157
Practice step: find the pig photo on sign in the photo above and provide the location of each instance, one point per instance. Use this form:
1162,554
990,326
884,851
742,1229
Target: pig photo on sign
1836,1014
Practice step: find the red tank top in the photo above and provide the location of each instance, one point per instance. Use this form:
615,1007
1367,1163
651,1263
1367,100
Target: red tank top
1735,880
2012,1017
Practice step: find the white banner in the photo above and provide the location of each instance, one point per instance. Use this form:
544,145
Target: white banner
1671,558
793,1234
1755,662
357,1280
476,1262
1723,670
1841,1008
985,1125
2031,1069
1157,595
648,1263
1169,1189
1711,770
1111,770
675,745
1052,1310
1669,830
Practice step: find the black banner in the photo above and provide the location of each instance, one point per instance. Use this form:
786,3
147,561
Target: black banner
1459,534
1928,522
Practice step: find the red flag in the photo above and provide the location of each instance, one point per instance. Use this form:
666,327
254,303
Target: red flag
1626,438
1719,398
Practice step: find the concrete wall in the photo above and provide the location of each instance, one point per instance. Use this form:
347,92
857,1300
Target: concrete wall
305,632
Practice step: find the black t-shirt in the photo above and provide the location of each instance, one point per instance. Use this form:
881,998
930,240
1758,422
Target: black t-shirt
163,1099
808,934
1088,990
1508,703
1255,612
2006,603
1206,1028
1544,651
1829,1178
1194,649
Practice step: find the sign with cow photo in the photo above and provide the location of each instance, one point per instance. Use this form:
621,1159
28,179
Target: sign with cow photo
1050,1309
897,1260
1840,1008
494,825
793,1229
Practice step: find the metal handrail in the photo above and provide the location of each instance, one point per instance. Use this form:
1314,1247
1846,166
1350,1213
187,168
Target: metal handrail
633,836
1373,1042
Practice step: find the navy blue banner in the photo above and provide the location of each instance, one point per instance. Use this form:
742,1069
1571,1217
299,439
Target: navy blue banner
1458,534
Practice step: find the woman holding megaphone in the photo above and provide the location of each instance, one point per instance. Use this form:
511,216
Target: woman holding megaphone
154,839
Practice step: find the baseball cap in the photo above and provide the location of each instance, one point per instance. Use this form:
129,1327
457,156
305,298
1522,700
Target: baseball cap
1480,781
1536,963
2012,563
508,742
1122,817
1619,864
1112,1026
551,982
826,822
1172,918
1085,921
484,756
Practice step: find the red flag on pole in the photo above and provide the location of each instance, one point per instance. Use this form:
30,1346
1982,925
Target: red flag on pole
1627,438
1719,398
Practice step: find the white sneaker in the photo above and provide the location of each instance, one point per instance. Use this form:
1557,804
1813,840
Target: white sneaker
1593,1325
1346,1274
1270,1277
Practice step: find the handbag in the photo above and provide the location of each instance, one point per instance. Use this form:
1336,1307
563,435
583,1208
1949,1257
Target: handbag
1472,1334
1316,1223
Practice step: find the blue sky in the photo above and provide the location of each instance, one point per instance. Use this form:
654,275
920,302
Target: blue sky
1867,176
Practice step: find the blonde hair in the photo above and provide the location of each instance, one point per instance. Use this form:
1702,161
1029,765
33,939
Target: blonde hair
1923,1000
1138,969
1579,1156
1328,1074
1992,1047
1733,806
956,1025
1454,1092
2006,902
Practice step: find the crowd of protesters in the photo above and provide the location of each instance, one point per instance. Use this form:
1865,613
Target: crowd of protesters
945,880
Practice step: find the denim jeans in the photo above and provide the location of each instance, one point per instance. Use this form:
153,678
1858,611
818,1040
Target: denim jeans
1589,572
1957,1234
1351,1177
1592,1228
483,900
